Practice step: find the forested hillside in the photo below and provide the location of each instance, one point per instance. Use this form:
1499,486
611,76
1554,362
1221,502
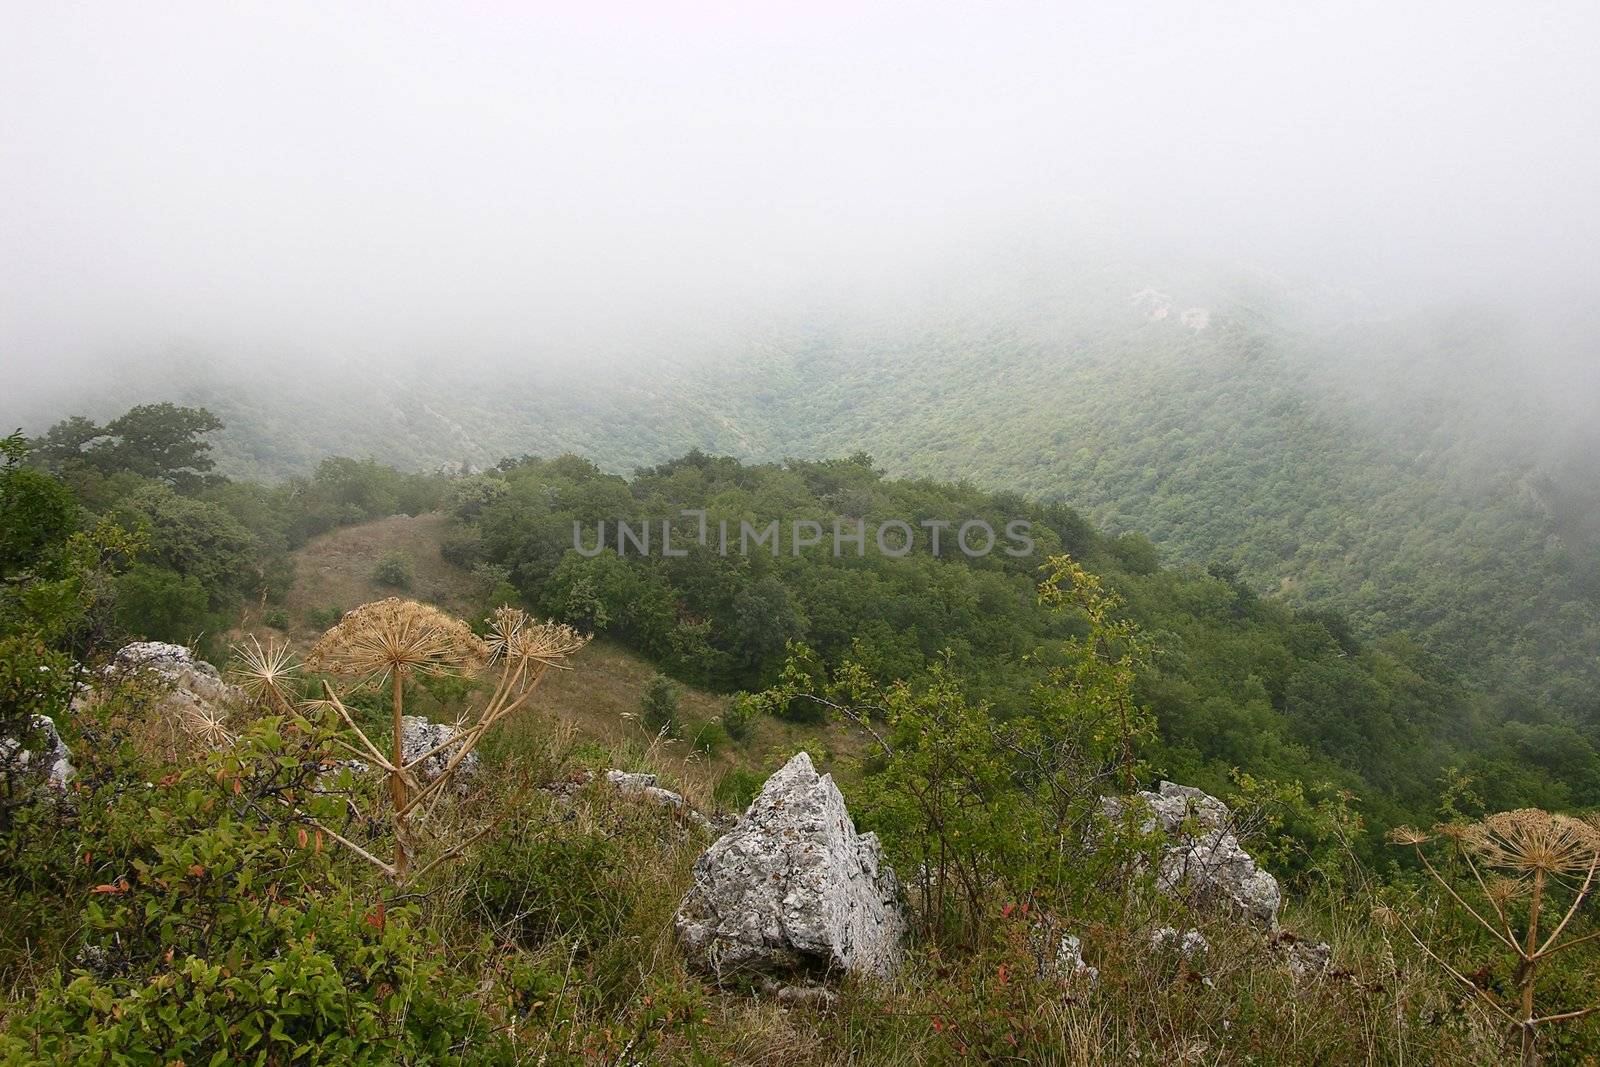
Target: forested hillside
1415,472
1238,682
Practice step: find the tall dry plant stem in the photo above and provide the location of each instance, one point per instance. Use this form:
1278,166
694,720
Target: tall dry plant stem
1538,853
390,641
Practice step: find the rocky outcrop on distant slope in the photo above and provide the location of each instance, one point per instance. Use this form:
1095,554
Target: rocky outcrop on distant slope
1203,860
793,887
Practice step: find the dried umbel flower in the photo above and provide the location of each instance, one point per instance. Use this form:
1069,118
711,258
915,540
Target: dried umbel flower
1406,835
515,637
1529,840
1502,892
205,724
264,670
1538,854
397,636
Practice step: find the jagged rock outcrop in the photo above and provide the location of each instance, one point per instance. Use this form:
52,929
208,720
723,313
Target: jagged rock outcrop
419,736
1203,860
179,669
49,756
189,690
793,887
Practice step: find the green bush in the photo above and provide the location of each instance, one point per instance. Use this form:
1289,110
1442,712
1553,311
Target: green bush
464,550
324,618
395,571
277,618
737,789
157,604
561,882
659,708
740,715
216,929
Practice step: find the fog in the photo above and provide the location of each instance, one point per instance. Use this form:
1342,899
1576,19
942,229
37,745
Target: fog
496,181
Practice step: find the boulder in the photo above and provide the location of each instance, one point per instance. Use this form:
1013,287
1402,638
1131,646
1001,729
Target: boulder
1203,860
189,692
178,668
793,888
419,735
49,757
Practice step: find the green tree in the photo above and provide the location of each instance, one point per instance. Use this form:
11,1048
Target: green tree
162,441
198,540
157,604
37,511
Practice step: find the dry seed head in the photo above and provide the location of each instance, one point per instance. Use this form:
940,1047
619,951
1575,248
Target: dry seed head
1503,891
205,724
378,639
1529,840
515,636
1406,835
265,668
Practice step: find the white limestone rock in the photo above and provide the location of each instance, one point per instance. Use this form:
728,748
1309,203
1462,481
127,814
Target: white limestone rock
187,689
793,887
1203,860
419,736
1190,944
48,756
1305,959
643,785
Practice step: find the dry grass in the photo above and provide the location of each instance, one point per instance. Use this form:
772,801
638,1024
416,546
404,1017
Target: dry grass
335,570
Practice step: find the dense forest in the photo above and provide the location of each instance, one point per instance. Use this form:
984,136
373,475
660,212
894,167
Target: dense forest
1238,681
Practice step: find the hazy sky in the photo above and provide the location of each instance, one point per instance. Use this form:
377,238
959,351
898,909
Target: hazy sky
362,176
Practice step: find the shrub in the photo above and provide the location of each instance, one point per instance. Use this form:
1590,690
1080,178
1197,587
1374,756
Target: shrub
220,931
277,618
464,550
740,715
157,604
660,707
707,737
325,618
395,571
